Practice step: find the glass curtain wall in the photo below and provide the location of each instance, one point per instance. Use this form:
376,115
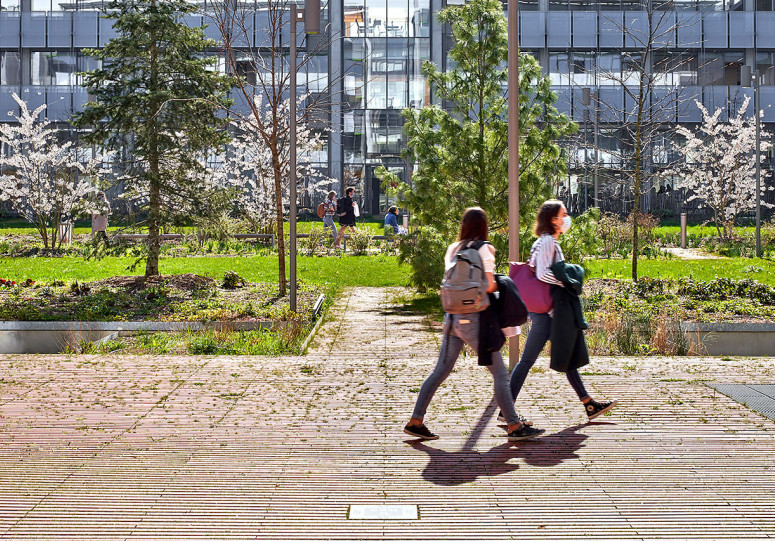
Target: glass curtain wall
385,43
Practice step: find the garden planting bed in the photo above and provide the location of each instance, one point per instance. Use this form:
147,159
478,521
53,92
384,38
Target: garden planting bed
679,317
195,313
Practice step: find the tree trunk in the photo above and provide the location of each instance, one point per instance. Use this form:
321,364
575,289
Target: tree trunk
154,215
638,178
154,192
278,185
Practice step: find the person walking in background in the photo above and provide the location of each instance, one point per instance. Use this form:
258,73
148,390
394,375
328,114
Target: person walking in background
329,207
391,219
460,329
552,221
346,211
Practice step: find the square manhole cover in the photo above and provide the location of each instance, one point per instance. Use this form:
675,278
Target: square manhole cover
383,512
760,398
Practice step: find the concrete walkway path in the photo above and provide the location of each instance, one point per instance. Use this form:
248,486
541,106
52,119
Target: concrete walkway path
132,447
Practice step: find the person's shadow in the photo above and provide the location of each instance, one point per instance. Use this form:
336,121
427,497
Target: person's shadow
455,468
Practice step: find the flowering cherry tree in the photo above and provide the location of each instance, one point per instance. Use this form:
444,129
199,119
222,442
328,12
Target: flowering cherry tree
45,181
254,169
720,165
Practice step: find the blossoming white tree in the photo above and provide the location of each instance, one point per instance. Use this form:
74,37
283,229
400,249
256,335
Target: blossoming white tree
720,165
254,169
44,180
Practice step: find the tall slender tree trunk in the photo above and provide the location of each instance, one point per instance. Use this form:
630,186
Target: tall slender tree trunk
154,192
154,219
638,178
278,188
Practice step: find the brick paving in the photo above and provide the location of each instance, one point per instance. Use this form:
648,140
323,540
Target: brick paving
124,447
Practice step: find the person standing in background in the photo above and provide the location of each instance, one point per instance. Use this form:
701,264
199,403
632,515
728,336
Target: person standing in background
346,211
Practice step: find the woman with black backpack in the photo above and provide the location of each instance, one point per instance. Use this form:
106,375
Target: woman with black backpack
463,328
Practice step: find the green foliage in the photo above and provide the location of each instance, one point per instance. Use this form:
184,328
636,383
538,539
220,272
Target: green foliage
461,152
232,280
582,239
425,254
359,240
315,240
156,89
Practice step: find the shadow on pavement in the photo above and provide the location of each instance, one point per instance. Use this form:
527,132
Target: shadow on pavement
455,468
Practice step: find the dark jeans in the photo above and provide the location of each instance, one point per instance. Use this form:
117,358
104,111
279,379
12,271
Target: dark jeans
540,329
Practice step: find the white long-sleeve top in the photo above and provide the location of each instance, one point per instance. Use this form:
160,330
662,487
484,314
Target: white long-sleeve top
545,252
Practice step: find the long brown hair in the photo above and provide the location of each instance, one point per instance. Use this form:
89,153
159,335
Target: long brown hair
548,212
474,226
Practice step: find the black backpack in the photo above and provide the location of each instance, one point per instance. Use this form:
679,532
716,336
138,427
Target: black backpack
340,206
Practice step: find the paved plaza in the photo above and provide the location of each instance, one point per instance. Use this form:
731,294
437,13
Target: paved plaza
125,447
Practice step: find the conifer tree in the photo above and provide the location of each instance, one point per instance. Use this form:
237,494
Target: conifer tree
157,99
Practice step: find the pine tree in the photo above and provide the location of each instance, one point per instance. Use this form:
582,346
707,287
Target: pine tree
158,99
461,150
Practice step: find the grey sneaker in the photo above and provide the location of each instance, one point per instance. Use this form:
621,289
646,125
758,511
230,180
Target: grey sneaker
596,409
420,431
525,433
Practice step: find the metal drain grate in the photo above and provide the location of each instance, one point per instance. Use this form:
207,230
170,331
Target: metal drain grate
383,512
760,398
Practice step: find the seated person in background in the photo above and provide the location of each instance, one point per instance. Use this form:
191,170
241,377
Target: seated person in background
391,219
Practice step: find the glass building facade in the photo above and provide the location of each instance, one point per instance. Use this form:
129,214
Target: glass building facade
372,65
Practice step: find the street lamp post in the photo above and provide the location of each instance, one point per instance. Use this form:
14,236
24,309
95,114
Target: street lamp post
311,19
747,76
513,134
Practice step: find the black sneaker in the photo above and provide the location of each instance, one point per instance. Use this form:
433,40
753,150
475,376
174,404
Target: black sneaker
521,419
420,431
595,408
525,433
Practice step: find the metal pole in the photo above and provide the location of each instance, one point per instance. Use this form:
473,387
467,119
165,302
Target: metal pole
292,195
758,167
683,230
513,110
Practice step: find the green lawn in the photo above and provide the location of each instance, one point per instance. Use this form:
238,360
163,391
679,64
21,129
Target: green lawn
340,271
762,270
698,230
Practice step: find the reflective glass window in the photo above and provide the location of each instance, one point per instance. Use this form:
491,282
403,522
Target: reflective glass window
420,18
675,68
376,18
51,68
397,73
582,69
9,5
353,71
559,68
765,5
609,68
10,68
720,68
315,73
86,63
376,73
765,63
529,5
354,18
397,25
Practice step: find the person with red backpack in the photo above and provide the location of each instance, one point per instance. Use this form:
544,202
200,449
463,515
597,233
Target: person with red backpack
468,279
329,211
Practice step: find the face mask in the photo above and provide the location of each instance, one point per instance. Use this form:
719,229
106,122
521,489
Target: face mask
566,222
